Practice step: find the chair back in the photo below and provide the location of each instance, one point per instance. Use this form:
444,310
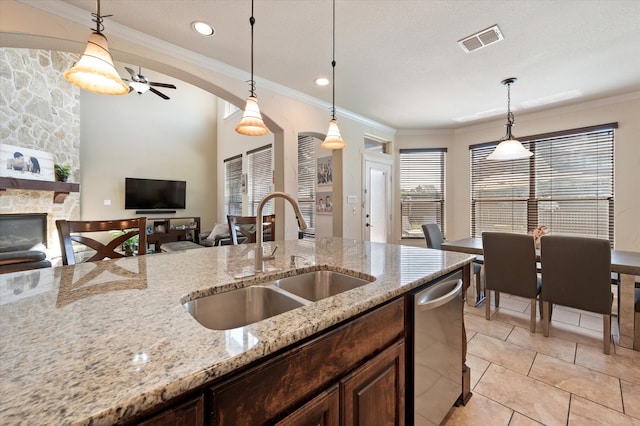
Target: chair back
510,263
245,226
576,272
72,232
432,235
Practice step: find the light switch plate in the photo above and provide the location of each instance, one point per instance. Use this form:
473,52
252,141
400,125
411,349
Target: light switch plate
352,199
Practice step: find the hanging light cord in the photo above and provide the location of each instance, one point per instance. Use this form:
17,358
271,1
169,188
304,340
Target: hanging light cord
252,83
510,119
99,19
333,65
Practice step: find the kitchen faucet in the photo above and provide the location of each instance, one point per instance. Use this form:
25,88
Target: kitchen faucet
259,230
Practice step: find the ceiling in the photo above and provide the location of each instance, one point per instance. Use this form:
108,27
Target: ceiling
398,61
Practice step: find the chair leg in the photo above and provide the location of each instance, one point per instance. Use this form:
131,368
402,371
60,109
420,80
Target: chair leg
497,298
606,334
545,320
532,325
487,304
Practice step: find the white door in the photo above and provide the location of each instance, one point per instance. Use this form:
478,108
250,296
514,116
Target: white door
377,197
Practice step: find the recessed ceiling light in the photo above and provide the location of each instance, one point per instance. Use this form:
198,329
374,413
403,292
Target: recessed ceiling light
203,28
322,81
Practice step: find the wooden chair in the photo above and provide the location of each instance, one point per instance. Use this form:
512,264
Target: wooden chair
434,239
510,267
242,229
71,231
576,272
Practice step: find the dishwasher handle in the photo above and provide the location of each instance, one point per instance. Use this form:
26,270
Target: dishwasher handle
438,294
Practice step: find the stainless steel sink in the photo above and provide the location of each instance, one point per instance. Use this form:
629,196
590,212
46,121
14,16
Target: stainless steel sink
237,308
318,285
244,306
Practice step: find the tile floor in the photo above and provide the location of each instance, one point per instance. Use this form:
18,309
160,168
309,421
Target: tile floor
521,378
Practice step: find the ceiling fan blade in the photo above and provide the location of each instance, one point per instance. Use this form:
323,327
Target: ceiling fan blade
162,95
132,72
168,86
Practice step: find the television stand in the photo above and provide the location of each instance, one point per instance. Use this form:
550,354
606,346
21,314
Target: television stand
168,230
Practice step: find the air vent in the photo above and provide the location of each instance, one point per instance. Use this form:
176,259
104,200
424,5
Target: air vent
481,39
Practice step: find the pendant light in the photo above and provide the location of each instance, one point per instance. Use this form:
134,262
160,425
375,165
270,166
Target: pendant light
251,123
509,147
94,71
333,139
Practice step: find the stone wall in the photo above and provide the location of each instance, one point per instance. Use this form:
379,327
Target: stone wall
40,110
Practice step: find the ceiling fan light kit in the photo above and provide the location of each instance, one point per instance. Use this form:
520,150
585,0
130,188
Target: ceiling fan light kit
509,147
141,84
94,71
251,123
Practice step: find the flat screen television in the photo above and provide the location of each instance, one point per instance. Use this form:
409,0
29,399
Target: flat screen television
154,194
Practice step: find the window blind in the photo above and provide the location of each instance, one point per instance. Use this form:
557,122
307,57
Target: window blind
306,182
259,177
568,185
233,185
422,189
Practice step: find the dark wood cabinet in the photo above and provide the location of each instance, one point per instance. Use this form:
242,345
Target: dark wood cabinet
190,413
323,410
374,393
168,230
288,382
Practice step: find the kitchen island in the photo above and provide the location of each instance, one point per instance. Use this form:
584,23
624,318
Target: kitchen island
106,342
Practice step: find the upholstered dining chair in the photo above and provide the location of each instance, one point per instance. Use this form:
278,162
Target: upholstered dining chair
73,232
576,272
242,229
510,267
434,239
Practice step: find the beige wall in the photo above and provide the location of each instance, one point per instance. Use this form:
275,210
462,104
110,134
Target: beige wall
621,109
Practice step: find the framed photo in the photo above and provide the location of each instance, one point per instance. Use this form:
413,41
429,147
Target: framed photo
324,171
25,163
324,202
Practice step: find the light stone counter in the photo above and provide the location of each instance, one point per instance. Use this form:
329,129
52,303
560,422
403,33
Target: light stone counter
97,343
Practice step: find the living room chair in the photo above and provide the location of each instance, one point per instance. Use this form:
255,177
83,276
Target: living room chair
242,229
576,272
510,267
434,239
71,232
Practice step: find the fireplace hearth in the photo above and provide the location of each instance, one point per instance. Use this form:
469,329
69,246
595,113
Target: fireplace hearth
22,231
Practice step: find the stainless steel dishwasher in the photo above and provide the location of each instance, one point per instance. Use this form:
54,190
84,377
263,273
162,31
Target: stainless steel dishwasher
435,370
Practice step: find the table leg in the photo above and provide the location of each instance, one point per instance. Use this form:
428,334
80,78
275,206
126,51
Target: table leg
626,312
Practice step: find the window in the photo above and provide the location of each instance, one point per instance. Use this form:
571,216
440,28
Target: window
567,185
260,177
233,185
306,182
229,109
422,189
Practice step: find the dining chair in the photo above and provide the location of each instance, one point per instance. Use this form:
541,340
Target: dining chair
434,239
576,272
242,229
510,267
636,320
72,236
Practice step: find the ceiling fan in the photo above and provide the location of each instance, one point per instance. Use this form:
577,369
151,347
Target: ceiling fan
140,84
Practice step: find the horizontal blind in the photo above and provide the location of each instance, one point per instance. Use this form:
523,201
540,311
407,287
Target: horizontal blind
260,175
567,185
233,185
306,181
422,189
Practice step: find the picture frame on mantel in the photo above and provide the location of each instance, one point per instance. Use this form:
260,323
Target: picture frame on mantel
26,163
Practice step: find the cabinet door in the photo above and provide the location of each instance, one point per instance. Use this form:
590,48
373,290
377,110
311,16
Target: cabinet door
190,413
374,393
323,410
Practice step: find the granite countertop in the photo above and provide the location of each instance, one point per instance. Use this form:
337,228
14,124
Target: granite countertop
99,342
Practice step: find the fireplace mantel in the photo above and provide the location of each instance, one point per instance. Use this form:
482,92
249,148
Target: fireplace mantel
60,190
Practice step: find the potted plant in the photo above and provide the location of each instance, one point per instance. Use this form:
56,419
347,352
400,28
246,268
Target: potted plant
62,172
129,245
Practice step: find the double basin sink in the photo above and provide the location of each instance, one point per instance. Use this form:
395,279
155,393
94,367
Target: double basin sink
244,306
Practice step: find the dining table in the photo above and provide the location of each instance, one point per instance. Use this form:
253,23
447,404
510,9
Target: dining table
624,263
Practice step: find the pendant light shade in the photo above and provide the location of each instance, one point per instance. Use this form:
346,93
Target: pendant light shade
333,139
509,147
251,123
94,71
